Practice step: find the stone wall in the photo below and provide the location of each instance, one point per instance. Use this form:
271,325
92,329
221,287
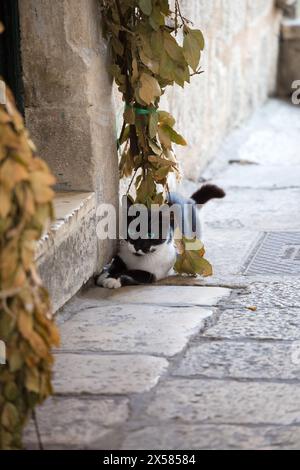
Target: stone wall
68,96
289,58
68,91
239,64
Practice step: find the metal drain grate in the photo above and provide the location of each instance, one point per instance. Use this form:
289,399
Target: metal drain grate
275,253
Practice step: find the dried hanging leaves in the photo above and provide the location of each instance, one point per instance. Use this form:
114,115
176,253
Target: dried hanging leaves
146,58
26,326
190,259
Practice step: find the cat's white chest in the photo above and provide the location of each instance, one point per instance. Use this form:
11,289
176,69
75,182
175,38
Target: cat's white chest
159,263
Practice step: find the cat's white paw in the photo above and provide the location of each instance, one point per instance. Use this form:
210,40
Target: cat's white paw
111,283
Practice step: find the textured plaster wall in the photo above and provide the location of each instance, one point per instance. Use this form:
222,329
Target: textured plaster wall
239,64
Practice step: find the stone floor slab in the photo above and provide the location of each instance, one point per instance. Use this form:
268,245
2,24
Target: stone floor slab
241,360
265,323
226,402
133,328
278,292
174,436
270,137
159,295
74,423
106,374
227,250
234,385
258,177
255,210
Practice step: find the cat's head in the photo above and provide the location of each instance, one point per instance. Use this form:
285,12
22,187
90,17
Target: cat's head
146,230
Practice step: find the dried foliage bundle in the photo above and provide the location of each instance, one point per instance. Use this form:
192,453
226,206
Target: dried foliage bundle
147,56
26,326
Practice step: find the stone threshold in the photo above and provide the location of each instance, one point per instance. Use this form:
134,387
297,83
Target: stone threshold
66,254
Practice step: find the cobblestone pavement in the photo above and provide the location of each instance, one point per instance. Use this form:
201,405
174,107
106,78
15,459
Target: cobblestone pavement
193,364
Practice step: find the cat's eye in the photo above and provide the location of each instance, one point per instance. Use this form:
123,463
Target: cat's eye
151,235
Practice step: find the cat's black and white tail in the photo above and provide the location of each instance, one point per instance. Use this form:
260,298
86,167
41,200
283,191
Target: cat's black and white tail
208,192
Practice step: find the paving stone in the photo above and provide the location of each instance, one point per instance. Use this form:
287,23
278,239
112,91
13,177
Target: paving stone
174,436
164,295
30,440
227,250
258,177
226,402
281,293
133,328
237,384
157,295
250,359
265,323
103,374
75,423
256,210
270,138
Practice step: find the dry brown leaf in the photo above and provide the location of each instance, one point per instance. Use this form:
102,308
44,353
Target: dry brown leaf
5,201
149,88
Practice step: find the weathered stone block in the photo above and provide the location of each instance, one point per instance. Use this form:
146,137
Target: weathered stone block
159,295
241,360
213,437
216,401
270,296
106,374
67,254
76,423
68,93
265,323
127,328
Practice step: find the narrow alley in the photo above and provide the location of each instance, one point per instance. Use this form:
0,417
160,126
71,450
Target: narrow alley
198,363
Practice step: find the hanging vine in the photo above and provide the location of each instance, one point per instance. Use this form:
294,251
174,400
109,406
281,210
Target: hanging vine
26,327
146,57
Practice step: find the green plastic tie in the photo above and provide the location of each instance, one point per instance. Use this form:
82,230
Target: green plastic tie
141,111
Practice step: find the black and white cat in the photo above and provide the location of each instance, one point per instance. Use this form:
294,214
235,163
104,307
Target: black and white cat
147,259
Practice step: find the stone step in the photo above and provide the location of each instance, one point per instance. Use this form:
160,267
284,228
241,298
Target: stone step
67,253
